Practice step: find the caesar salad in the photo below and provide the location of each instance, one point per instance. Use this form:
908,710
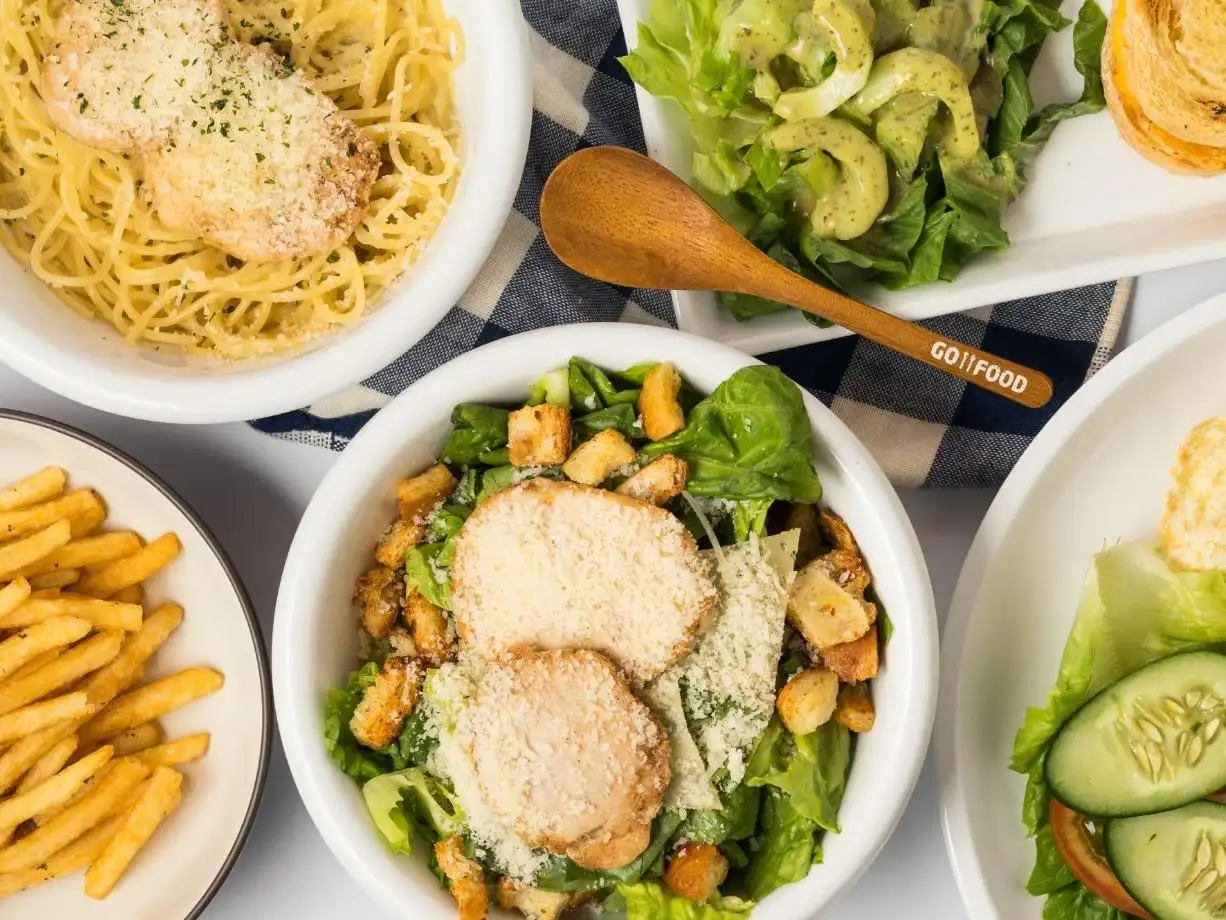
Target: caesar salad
614,651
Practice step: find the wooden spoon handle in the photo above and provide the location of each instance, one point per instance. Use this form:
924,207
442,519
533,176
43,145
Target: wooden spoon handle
974,365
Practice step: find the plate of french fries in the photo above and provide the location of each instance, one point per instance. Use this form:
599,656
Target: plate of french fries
134,702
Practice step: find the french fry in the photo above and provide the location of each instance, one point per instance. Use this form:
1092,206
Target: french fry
103,614
136,739
105,798
140,566
42,486
41,715
173,753
68,668
46,594
13,595
25,753
27,644
99,550
121,673
133,594
61,579
38,661
27,550
60,788
150,702
73,858
160,799
48,765
83,509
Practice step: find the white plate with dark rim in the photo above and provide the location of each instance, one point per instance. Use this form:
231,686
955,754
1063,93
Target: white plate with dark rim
1096,474
189,857
1094,210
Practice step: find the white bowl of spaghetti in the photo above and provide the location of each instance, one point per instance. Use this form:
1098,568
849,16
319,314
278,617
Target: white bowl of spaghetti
165,327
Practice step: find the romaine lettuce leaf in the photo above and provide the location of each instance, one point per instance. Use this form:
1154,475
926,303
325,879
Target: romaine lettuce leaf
750,439
652,901
736,820
475,431
411,802
787,844
561,874
812,769
1134,609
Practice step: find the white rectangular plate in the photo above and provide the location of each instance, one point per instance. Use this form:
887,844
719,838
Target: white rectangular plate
1094,211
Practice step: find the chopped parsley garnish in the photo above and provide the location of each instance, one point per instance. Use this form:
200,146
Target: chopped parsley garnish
136,102
259,158
225,129
333,259
219,104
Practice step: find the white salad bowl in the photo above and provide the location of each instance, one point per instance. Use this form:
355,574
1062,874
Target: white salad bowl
87,361
315,636
1098,474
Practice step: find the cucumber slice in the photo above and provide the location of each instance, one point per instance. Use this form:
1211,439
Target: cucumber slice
1174,863
1151,742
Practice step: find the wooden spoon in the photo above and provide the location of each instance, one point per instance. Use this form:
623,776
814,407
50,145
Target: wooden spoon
620,217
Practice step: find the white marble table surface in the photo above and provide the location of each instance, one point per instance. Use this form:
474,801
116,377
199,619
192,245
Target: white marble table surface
252,490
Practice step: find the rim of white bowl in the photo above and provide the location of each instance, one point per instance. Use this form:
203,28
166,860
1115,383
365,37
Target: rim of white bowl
299,716
353,354
1014,492
244,601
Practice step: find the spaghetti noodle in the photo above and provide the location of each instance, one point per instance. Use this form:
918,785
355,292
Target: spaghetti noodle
80,220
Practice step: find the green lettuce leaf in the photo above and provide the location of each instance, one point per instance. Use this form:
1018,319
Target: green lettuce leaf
736,820
552,388
1075,902
623,417
1134,609
411,802
787,841
750,439
812,769
355,760
426,571
475,431
652,901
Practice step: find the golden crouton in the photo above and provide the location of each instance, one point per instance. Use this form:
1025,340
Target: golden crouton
855,709
399,539
379,594
379,718
853,661
657,482
419,496
593,461
826,602
532,902
807,701
695,871
539,435
465,878
1193,531
428,624
658,402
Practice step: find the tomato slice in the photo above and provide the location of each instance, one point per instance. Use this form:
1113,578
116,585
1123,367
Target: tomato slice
1085,860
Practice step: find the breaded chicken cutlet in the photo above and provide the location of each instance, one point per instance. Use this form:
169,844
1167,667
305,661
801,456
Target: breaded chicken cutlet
567,755
236,146
549,565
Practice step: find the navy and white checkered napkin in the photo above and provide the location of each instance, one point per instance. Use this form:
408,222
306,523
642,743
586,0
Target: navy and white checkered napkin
924,427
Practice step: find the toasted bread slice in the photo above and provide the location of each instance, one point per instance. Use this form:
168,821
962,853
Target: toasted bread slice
545,565
1193,530
1153,142
567,755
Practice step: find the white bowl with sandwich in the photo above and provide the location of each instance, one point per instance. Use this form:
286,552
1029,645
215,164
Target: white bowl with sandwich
217,210
605,614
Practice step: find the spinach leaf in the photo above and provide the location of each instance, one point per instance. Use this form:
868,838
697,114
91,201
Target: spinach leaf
750,439
786,845
561,874
623,417
475,430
